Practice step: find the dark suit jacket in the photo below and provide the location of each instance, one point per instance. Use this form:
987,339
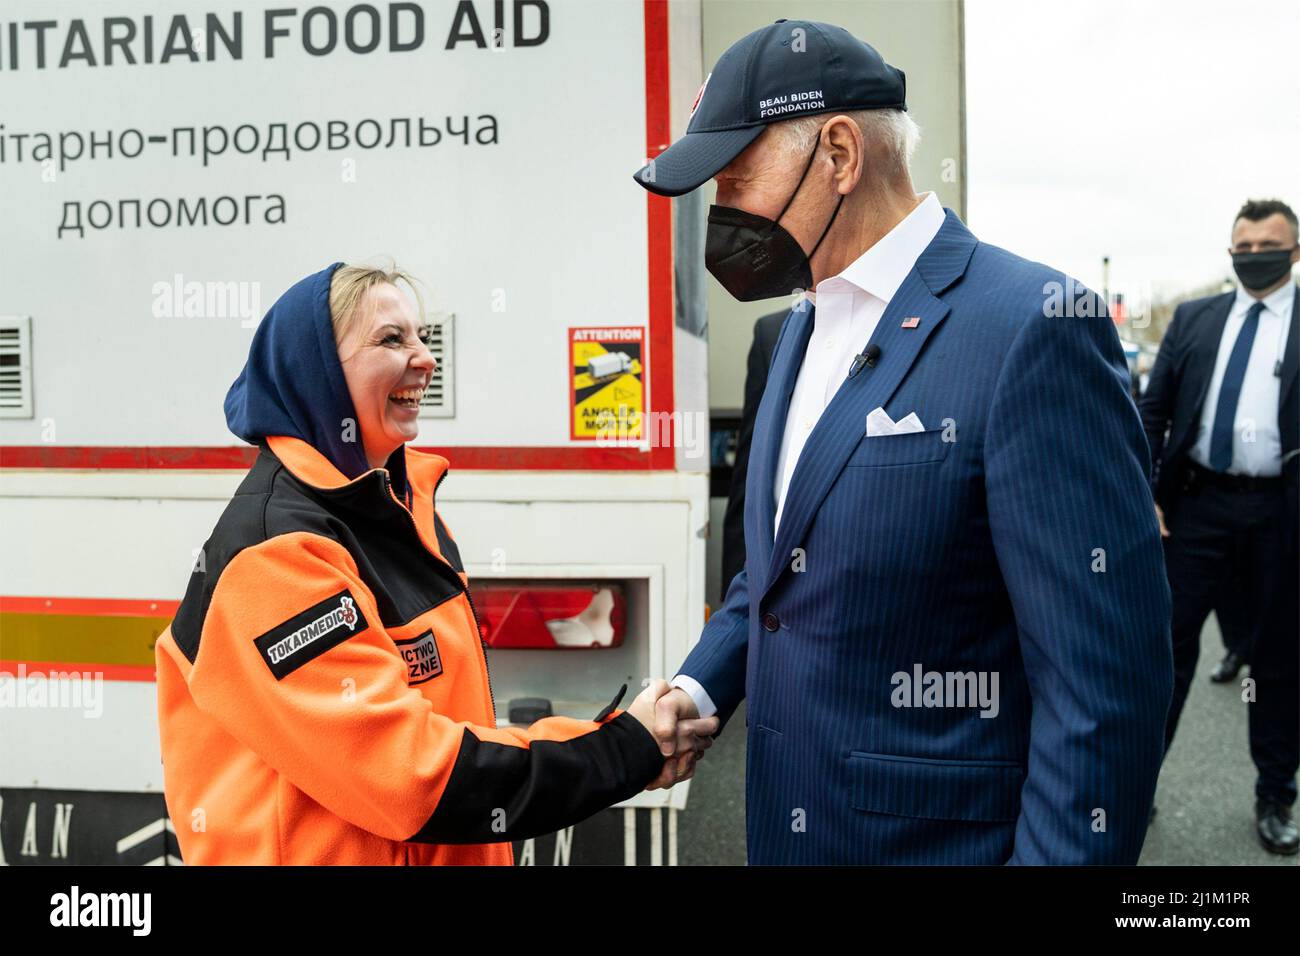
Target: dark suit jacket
766,330
965,552
1176,391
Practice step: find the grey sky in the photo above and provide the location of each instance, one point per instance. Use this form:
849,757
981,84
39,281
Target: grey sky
1133,129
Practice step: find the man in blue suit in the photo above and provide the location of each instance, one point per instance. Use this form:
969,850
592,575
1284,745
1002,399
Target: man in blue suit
952,628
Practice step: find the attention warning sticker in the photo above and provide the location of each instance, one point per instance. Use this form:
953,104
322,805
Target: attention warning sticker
607,383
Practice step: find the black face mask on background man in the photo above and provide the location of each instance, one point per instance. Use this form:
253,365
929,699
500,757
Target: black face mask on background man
755,257
1259,270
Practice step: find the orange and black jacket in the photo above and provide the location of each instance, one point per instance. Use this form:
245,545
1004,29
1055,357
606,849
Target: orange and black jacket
323,692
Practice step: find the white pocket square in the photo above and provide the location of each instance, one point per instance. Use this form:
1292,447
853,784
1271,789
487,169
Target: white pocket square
879,423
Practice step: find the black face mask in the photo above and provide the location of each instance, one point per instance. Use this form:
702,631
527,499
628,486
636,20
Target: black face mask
1259,270
754,257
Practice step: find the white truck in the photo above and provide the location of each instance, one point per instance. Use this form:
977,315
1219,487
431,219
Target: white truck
165,173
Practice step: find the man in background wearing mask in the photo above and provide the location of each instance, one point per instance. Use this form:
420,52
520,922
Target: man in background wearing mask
1226,479
952,625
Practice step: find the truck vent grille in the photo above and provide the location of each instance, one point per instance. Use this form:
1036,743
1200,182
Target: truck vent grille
439,397
15,366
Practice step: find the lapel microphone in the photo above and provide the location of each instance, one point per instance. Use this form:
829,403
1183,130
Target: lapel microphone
867,358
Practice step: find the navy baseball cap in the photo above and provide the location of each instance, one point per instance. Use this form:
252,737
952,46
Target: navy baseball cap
788,69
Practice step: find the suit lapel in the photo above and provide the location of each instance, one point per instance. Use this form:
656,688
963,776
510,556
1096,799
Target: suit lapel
1209,350
769,428
843,423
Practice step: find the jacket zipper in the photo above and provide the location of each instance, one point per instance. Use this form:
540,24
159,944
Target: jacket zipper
487,668
478,629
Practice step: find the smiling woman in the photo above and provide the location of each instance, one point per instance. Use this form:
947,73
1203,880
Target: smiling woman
323,691
383,349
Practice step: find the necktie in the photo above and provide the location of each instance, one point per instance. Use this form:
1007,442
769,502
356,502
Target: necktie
1225,413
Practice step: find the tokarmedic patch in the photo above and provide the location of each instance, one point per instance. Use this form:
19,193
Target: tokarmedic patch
310,634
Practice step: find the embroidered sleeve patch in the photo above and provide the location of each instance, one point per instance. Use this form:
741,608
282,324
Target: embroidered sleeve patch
310,634
423,663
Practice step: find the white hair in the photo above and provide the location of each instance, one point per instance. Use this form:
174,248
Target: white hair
895,129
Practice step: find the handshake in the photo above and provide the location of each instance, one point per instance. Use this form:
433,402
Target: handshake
670,715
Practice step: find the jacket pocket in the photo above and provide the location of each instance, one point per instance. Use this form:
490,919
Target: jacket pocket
912,448
930,789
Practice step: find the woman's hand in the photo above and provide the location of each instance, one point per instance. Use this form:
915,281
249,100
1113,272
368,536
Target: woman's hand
643,705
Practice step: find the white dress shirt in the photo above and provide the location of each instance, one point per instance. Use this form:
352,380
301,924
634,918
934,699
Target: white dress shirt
848,306
1256,436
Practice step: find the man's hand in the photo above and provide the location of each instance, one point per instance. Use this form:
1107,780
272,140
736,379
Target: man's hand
682,734
1160,516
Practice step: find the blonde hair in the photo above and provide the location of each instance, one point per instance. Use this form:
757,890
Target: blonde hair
349,285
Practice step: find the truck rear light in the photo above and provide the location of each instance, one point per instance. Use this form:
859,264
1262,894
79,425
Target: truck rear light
568,615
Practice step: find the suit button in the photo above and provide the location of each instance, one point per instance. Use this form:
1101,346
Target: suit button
771,622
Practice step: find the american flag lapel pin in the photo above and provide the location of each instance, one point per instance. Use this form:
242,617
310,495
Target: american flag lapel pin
912,322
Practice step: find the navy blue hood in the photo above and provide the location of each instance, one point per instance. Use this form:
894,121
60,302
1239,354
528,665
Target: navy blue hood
292,383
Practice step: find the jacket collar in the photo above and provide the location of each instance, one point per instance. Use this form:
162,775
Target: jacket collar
423,470
945,259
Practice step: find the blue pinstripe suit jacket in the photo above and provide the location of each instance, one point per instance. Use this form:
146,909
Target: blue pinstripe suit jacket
1014,540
